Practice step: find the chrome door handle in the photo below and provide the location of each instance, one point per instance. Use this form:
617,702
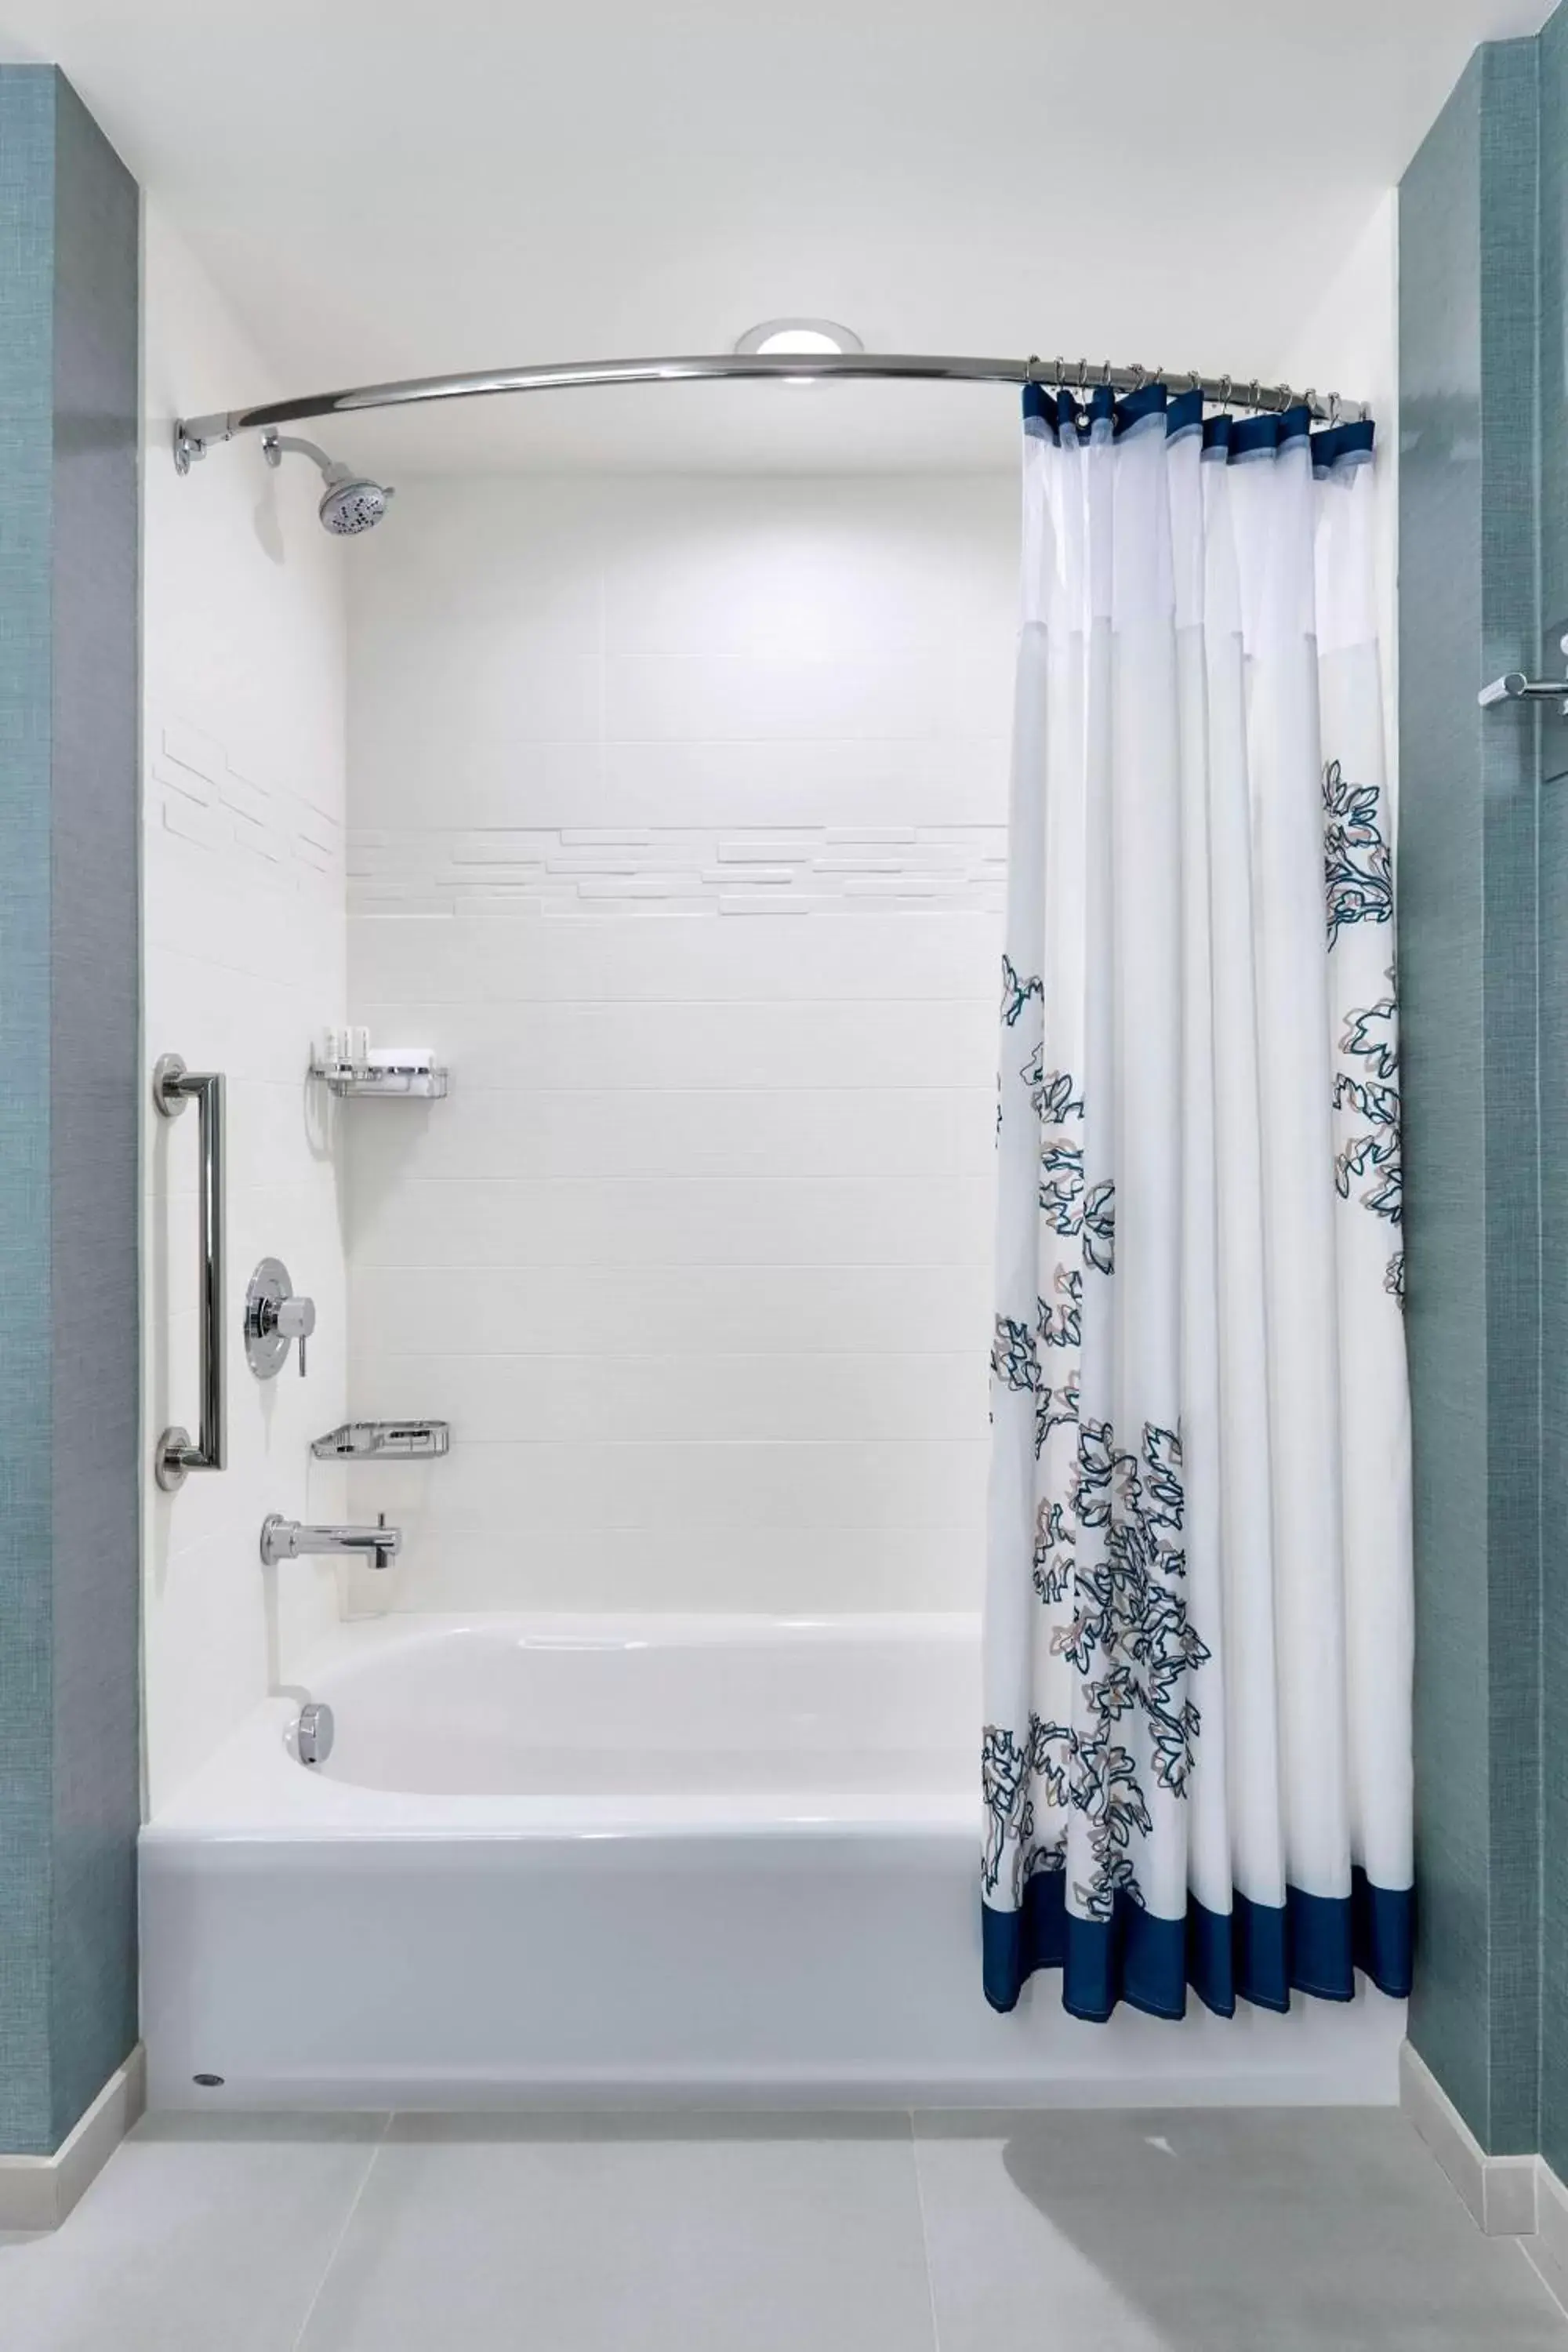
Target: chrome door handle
172,1088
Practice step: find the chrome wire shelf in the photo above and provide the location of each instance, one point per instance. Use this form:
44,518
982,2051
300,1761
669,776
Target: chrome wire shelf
384,1441
390,1081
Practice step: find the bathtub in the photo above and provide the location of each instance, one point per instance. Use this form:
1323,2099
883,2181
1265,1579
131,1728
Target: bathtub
637,1861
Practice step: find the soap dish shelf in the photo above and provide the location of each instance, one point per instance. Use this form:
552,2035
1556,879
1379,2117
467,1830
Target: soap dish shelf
384,1441
391,1081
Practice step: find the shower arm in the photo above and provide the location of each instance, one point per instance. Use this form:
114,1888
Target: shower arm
194,436
275,444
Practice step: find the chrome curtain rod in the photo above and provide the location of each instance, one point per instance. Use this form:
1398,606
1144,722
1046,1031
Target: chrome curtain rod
194,436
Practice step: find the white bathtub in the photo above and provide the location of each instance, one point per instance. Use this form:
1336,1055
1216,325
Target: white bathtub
661,1859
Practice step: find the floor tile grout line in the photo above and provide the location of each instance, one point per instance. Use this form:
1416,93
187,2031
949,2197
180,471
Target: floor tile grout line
925,2232
337,2244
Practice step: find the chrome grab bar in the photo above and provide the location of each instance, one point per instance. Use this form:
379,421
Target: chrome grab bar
172,1088
1514,687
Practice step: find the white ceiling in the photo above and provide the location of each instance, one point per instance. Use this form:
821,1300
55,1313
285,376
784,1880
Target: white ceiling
385,189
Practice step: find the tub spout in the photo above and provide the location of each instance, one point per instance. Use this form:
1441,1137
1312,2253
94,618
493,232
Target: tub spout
284,1539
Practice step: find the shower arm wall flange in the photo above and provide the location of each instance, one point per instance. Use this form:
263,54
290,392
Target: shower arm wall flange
194,436
276,447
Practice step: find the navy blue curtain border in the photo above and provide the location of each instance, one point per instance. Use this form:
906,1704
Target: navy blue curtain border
1256,1952
1223,437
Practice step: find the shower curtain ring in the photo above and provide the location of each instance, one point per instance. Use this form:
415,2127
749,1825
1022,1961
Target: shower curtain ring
1253,400
1333,409
1139,378
1225,391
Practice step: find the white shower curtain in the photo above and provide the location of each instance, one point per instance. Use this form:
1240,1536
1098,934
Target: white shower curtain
1196,1762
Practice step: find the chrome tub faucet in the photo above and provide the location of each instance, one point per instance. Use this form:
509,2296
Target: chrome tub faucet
283,1539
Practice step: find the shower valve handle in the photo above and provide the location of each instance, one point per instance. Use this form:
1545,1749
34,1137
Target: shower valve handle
296,1320
275,1316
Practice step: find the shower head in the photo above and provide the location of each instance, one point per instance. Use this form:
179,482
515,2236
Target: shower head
351,502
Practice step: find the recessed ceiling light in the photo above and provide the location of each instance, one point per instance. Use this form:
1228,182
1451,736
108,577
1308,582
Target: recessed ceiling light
799,335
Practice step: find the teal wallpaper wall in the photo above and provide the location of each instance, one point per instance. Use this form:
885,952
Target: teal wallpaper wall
1553,1041
1484,867
1468,305
68,1060
26,432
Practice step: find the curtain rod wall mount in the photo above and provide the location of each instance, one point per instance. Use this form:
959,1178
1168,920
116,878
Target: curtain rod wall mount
194,436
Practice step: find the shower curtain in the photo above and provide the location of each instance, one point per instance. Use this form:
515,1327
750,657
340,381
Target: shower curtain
1196,1756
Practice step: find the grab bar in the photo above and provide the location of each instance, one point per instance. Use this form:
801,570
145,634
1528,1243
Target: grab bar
172,1088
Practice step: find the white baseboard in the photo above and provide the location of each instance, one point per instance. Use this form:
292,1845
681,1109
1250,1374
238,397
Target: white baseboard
1507,2196
37,2193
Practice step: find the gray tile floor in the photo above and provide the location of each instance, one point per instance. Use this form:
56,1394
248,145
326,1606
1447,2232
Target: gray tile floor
1174,2233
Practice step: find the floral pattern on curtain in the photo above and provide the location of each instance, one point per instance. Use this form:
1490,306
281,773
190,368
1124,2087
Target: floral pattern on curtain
1196,1756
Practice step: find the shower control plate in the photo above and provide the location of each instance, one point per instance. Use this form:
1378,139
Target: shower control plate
274,1317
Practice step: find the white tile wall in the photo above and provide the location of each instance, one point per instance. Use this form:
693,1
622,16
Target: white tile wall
695,1255
244,960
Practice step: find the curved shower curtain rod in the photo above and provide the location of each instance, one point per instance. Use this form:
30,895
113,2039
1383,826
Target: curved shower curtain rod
194,436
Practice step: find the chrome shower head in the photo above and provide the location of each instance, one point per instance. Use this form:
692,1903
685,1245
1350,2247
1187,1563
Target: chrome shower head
351,502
